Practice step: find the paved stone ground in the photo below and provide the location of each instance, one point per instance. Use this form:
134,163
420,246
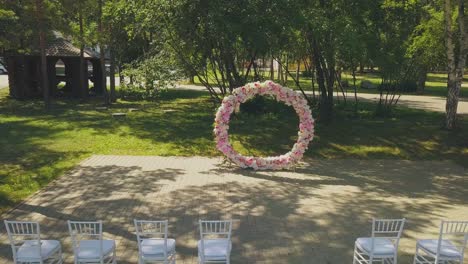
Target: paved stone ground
310,215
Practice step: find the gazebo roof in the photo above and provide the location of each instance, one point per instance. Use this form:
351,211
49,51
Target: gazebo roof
60,47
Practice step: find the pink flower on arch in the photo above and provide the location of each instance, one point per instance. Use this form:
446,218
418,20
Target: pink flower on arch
242,94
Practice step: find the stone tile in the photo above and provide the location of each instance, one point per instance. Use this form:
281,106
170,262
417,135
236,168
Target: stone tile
309,215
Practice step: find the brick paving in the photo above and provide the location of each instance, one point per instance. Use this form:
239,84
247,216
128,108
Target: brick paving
310,215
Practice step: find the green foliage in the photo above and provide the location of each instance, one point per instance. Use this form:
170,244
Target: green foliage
427,40
149,76
8,20
18,24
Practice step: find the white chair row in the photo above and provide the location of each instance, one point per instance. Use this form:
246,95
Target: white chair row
382,246
89,246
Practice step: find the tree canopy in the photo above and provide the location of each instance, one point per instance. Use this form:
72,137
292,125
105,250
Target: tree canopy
220,42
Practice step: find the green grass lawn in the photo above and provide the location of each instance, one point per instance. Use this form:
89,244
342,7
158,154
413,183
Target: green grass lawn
38,146
436,84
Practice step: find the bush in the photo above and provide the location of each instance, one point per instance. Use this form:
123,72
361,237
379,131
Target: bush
408,86
405,86
365,84
260,104
132,92
306,74
149,76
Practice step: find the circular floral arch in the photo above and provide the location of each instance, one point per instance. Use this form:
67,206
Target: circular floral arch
289,97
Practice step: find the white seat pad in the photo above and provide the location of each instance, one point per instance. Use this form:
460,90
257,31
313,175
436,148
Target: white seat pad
154,247
29,249
382,246
215,249
89,249
447,249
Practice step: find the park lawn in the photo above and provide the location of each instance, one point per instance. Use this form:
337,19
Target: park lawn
436,84
37,146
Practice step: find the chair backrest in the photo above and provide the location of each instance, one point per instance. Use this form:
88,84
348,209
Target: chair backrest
456,232
146,229
387,228
219,229
21,231
85,230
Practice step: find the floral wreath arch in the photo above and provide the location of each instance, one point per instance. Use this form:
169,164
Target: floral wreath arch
289,97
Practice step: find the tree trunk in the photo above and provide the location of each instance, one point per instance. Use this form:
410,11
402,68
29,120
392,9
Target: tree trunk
455,68
82,61
312,76
102,54
286,72
355,90
325,106
298,69
121,76
421,81
112,77
280,71
43,45
272,69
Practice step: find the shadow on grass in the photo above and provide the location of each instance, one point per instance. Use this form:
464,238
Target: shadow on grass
26,162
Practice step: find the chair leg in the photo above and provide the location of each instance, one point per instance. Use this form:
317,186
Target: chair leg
354,255
114,257
60,256
416,255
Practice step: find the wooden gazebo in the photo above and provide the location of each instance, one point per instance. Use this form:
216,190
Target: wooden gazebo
24,72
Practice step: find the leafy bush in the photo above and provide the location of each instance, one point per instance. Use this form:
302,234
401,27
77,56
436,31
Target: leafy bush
405,86
307,74
408,86
132,92
264,104
148,76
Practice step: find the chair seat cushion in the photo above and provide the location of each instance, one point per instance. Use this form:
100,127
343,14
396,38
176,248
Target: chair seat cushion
155,247
382,246
447,249
215,249
29,249
89,249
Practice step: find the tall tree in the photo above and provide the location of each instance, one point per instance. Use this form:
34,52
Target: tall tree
102,52
457,49
43,46
83,66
